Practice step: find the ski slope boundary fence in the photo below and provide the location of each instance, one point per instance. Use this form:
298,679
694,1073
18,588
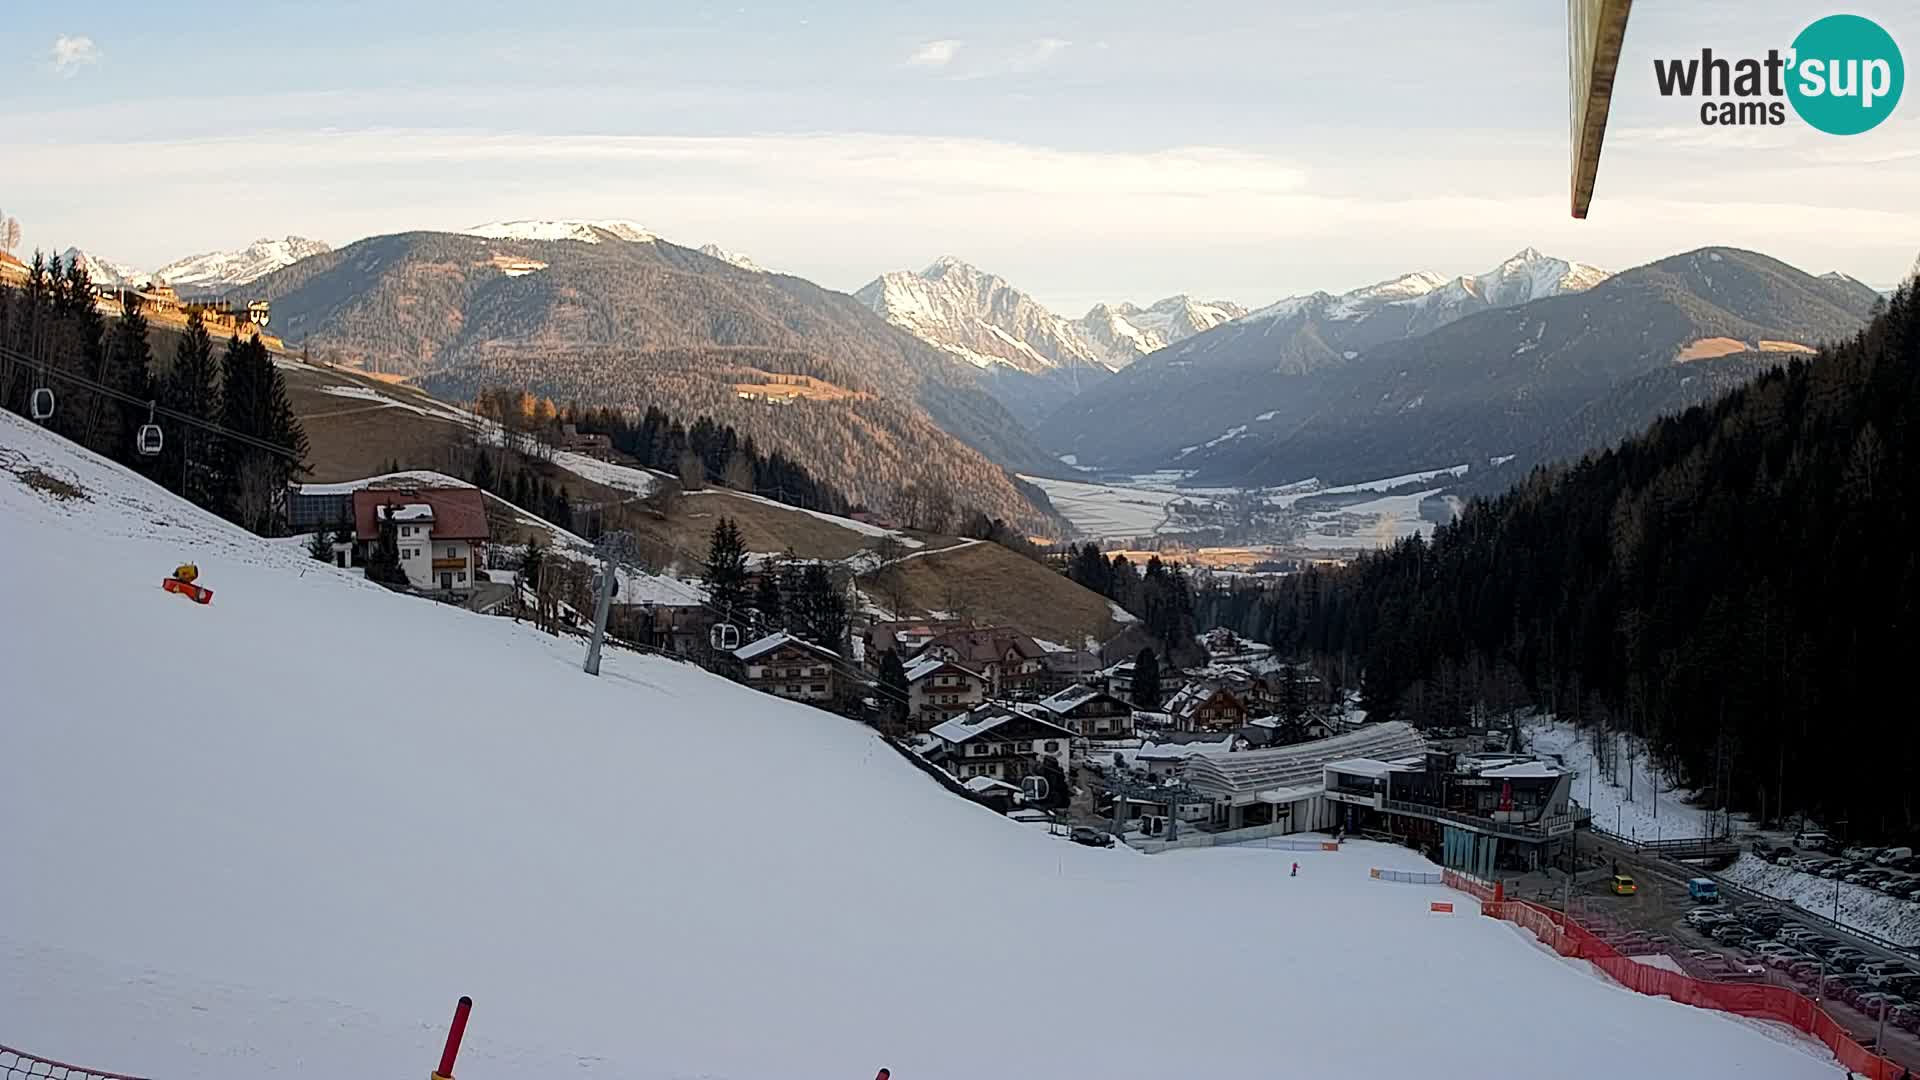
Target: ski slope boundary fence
1411,877
1761,1002
19,1065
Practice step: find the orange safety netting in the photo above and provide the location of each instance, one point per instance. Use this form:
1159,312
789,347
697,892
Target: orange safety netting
1764,1002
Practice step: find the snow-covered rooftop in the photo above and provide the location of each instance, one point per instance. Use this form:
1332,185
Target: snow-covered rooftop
988,718
1524,770
408,512
774,641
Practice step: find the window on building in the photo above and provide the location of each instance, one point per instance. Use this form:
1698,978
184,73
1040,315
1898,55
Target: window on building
460,575
450,553
819,688
1053,746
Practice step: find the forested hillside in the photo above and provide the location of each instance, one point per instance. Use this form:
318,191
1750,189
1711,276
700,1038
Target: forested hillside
1490,384
862,404
1740,584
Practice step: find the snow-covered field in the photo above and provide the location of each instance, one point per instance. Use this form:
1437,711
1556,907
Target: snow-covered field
1636,818
1862,908
279,834
1107,511
1125,511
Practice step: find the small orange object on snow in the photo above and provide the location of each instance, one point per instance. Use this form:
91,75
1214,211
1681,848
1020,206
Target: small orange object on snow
1445,907
182,582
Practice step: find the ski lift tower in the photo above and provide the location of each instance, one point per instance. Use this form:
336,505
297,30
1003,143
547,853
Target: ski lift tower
1125,787
615,549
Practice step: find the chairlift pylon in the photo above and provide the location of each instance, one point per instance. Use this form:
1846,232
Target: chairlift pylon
42,404
724,637
149,440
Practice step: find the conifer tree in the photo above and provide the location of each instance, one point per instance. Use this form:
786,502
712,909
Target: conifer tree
129,370
893,687
193,463
726,570
1146,681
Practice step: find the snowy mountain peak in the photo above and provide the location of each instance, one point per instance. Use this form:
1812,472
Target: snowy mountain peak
214,271
715,251
587,232
1125,332
978,317
1527,275
105,271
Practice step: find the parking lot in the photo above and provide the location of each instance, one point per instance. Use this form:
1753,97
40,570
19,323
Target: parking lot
1743,937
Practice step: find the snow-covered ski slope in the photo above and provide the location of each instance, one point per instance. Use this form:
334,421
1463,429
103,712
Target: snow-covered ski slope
278,835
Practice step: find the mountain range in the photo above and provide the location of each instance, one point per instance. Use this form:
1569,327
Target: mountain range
954,377
1034,360
606,313
1170,404
1507,382
207,272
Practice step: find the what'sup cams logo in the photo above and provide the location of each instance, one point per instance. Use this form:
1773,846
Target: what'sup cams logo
1842,75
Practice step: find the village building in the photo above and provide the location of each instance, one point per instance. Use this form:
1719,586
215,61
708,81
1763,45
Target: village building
1061,668
593,445
1119,680
938,690
1090,712
1001,742
1481,814
1207,705
903,636
1287,788
12,271
792,668
441,533
1162,759
1011,661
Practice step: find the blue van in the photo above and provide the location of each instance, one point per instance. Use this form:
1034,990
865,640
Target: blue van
1704,890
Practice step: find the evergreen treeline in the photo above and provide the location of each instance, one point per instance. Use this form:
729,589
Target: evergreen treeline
1160,596
723,455
1740,585
801,598
53,335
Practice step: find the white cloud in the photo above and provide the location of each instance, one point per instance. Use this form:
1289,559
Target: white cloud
935,54
1070,224
1038,53
71,52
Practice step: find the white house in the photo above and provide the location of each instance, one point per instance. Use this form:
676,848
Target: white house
1001,742
439,532
938,690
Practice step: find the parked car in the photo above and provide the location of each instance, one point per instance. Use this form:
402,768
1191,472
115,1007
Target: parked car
1860,853
1893,854
1811,840
1730,934
1835,869
1092,837
1882,973
1875,1004
1908,865
1906,1017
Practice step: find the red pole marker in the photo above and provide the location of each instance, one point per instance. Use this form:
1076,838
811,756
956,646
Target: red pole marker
454,1035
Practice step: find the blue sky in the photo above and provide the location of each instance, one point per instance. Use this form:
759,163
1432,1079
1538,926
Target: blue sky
1086,151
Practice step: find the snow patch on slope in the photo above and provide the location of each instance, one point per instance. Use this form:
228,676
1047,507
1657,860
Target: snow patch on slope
587,232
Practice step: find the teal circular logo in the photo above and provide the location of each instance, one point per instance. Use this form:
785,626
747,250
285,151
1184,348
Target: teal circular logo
1847,75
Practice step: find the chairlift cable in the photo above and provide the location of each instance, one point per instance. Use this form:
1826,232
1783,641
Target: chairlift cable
154,408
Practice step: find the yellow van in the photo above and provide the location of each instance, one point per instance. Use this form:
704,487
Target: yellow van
1623,885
